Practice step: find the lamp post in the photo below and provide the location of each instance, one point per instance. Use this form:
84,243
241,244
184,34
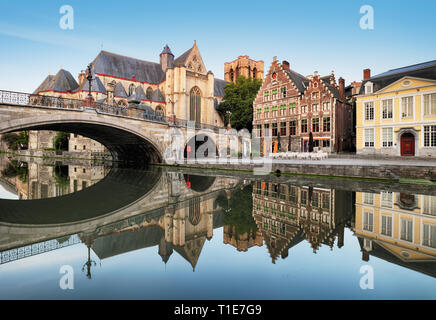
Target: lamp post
229,114
89,78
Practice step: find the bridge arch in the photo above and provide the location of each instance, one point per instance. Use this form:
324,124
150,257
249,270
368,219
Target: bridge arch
125,141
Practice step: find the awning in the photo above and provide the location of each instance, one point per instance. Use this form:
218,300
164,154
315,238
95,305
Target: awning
317,138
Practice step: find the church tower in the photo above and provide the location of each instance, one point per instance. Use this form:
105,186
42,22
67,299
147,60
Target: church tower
243,66
166,58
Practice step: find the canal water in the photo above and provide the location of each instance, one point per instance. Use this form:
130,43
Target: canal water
87,230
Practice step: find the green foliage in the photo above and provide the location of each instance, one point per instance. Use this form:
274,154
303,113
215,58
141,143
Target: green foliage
61,176
16,141
238,99
60,141
14,169
239,210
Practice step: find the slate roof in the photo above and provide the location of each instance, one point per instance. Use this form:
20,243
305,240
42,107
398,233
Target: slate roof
140,94
219,87
96,85
426,267
63,81
119,243
333,89
167,50
181,60
44,85
299,80
426,70
158,96
120,92
124,67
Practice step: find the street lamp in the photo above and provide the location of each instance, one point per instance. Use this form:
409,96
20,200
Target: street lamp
89,78
229,114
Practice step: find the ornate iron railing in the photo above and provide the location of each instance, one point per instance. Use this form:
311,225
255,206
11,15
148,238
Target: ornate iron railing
36,100
37,248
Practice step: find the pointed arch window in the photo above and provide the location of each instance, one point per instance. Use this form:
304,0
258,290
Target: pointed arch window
159,110
132,89
195,105
149,93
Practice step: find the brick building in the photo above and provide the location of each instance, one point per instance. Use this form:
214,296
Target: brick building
289,106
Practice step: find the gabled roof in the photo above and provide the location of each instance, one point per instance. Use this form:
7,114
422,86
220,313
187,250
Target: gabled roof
63,81
331,88
158,96
140,94
299,80
426,70
219,87
191,250
120,92
115,65
45,85
181,60
96,85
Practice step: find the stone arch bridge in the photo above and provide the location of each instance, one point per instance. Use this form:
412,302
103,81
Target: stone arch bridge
130,134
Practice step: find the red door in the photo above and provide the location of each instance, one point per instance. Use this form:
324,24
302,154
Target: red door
407,144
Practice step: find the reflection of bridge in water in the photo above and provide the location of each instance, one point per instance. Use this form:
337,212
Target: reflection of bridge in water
127,210
179,211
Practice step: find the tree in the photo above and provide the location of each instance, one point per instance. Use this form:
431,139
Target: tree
238,99
16,141
239,210
61,141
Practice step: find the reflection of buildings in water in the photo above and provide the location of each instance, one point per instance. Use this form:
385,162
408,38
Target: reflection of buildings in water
180,229
82,177
48,181
242,242
288,214
14,177
399,228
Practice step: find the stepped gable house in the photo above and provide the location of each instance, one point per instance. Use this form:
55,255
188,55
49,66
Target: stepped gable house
289,106
185,80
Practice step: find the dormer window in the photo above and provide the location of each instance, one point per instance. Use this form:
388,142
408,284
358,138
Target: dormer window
369,86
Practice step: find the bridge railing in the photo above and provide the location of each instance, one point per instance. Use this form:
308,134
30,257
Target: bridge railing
37,100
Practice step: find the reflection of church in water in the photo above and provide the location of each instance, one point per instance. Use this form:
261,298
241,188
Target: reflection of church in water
183,227
288,214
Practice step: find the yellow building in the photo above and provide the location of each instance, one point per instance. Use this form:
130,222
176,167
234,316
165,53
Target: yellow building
396,112
399,227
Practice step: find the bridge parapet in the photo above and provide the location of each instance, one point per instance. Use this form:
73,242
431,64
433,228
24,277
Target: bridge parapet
43,101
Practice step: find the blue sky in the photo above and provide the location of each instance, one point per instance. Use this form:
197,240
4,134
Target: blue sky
312,35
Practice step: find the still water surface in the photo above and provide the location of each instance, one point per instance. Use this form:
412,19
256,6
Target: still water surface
152,233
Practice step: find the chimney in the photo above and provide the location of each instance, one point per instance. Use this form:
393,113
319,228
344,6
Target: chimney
365,256
286,65
366,74
341,89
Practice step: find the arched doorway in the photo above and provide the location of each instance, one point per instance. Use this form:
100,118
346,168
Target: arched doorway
407,144
195,105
